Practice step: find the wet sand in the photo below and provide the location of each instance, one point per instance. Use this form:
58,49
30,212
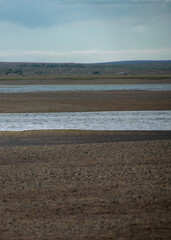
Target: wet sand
58,137
84,101
99,190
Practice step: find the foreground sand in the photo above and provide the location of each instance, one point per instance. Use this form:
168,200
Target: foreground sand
107,190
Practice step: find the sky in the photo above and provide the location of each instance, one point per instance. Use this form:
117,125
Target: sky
84,31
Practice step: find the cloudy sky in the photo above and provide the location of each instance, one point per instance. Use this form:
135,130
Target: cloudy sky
85,30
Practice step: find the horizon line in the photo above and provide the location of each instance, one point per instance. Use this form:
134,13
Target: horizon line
91,63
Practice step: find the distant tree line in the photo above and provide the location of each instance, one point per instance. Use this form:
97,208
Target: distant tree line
15,71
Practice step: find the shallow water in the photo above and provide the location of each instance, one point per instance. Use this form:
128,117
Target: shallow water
97,87
113,120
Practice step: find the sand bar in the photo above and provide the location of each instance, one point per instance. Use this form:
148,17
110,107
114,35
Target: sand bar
84,101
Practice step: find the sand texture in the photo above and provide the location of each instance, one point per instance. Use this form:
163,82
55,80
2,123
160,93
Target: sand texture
84,101
106,190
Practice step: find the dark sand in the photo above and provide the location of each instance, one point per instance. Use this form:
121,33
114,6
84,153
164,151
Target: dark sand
57,137
84,101
100,190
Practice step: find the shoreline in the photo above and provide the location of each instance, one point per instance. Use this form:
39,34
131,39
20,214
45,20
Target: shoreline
77,132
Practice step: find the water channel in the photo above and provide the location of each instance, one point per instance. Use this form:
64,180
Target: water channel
92,87
109,120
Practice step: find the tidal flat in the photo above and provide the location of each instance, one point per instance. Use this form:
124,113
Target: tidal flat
71,184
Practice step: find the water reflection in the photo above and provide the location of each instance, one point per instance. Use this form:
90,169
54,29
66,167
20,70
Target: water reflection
97,87
113,120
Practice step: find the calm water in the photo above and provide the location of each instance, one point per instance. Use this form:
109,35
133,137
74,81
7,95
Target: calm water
104,87
114,120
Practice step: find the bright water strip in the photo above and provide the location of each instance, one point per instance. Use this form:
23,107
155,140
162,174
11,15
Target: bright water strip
109,120
97,87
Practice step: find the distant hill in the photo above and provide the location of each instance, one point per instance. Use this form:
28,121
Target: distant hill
77,69
138,61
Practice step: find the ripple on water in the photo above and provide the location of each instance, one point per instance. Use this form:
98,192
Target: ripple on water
93,87
113,120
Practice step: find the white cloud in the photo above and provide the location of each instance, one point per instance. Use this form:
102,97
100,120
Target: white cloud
88,56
